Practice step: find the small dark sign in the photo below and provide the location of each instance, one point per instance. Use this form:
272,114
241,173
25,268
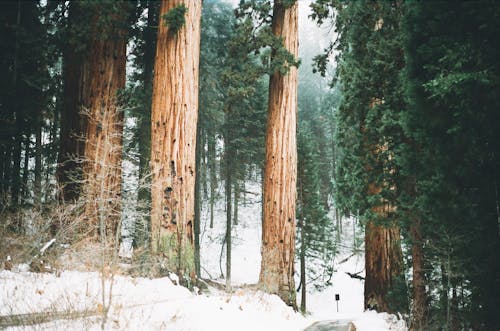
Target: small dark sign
337,297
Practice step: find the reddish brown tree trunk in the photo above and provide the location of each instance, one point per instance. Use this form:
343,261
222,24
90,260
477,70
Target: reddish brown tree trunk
104,76
383,259
173,119
278,226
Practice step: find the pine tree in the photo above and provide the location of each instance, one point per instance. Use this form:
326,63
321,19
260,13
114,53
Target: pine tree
451,84
367,136
23,99
315,242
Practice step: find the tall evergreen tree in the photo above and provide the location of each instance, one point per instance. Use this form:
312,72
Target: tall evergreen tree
278,226
315,236
367,133
452,88
173,124
23,101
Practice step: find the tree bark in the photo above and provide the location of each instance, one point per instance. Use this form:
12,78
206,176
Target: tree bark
419,294
104,76
383,259
173,119
278,228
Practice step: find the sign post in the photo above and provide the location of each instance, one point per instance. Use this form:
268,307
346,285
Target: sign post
337,298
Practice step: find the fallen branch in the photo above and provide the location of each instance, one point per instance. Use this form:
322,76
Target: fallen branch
356,275
44,317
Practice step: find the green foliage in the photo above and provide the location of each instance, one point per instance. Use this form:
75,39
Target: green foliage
452,83
255,17
175,18
435,113
315,237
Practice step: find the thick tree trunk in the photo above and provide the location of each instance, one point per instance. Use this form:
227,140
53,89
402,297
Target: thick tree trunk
278,228
105,75
419,294
73,123
383,264
173,119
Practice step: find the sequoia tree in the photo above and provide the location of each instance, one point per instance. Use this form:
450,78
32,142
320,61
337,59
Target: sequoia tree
173,132
278,226
103,77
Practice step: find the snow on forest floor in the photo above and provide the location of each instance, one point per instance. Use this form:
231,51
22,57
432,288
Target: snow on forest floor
159,304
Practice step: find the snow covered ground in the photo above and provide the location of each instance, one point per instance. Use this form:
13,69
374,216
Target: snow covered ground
159,304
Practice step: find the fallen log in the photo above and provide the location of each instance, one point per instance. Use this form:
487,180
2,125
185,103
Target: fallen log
44,317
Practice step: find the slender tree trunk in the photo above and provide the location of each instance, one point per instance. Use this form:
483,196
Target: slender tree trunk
38,164
213,176
3,161
303,280
173,119
25,177
203,163
229,171
197,205
419,294
454,318
236,202
104,130
339,224
7,165
145,118
278,230
142,231
16,169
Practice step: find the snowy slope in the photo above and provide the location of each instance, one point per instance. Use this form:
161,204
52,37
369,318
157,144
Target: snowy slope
158,304
142,304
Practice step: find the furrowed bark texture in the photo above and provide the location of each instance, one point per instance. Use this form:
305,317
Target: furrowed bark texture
173,127
278,227
383,260
103,77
